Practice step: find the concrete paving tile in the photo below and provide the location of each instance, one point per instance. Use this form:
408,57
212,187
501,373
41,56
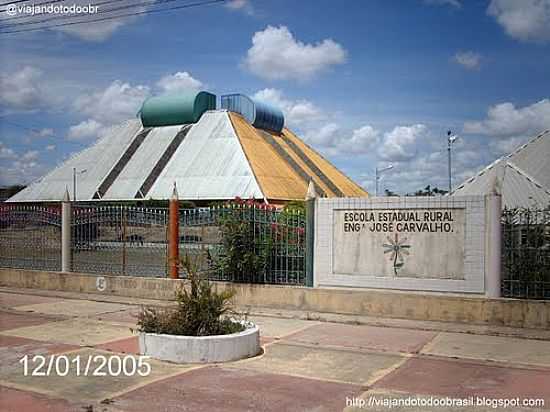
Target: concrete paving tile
83,332
15,400
364,337
128,345
278,327
460,378
124,317
11,300
73,308
384,401
78,387
335,365
12,320
497,348
237,390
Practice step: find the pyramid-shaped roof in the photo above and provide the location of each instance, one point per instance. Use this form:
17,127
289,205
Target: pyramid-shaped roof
222,156
523,176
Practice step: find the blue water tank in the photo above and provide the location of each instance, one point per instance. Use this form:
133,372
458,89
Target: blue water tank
257,113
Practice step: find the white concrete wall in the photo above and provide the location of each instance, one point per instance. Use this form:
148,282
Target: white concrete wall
469,245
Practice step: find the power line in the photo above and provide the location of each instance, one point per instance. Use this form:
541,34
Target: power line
128,6
34,4
44,3
185,6
12,2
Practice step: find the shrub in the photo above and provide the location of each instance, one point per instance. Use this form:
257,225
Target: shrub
200,310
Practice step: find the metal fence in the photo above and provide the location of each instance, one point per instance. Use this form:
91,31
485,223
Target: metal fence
239,242
30,237
246,243
526,253
119,240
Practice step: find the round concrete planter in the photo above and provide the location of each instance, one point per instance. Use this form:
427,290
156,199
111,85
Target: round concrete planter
201,349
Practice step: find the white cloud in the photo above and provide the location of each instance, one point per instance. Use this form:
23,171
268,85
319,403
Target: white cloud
119,101
468,59
30,155
505,120
276,54
331,139
401,143
452,3
243,5
88,129
23,90
100,30
6,152
297,112
50,147
46,132
527,20
179,81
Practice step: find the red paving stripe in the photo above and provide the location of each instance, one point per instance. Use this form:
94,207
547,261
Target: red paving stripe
31,345
127,345
235,390
16,299
12,320
364,337
14,400
457,378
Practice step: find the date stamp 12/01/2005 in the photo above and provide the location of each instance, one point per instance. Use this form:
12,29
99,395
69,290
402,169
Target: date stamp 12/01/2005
92,365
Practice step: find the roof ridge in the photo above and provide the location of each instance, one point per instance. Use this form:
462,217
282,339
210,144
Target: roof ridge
498,160
527,176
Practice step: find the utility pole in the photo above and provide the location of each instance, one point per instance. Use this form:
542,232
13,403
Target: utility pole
451,138
377,175
74,180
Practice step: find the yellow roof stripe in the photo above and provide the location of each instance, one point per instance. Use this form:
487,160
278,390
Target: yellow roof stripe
341,181
276,178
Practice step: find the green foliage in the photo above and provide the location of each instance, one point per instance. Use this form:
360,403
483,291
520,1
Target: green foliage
244,254
200,310
295,206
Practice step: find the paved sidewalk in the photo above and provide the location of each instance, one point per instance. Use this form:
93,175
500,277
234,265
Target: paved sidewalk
307,365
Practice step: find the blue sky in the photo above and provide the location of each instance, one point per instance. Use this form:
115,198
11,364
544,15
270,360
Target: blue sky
366,83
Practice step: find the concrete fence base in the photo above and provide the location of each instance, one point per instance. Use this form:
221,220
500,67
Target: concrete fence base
367,302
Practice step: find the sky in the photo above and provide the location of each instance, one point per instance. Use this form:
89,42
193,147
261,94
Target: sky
367,83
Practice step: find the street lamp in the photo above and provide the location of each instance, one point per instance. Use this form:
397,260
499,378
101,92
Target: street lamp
378,171
451,138
75,172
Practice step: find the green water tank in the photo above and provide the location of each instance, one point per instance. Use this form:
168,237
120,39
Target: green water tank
173,109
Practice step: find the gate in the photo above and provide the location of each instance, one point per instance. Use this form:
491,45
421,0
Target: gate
30,237
119,240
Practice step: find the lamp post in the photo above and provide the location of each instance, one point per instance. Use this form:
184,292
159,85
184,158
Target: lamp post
377,172
451,138
75,172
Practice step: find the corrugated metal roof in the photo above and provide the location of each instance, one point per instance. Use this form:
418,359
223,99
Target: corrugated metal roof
97,160
220,157
524,175
275,176
209,164
142,162
347,186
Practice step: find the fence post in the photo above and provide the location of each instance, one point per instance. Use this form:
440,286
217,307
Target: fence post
174,235
493,243
310,232
66,216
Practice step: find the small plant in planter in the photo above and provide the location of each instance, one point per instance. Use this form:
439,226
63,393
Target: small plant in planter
202,327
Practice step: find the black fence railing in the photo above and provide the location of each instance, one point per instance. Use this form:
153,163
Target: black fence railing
241,241
526,253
